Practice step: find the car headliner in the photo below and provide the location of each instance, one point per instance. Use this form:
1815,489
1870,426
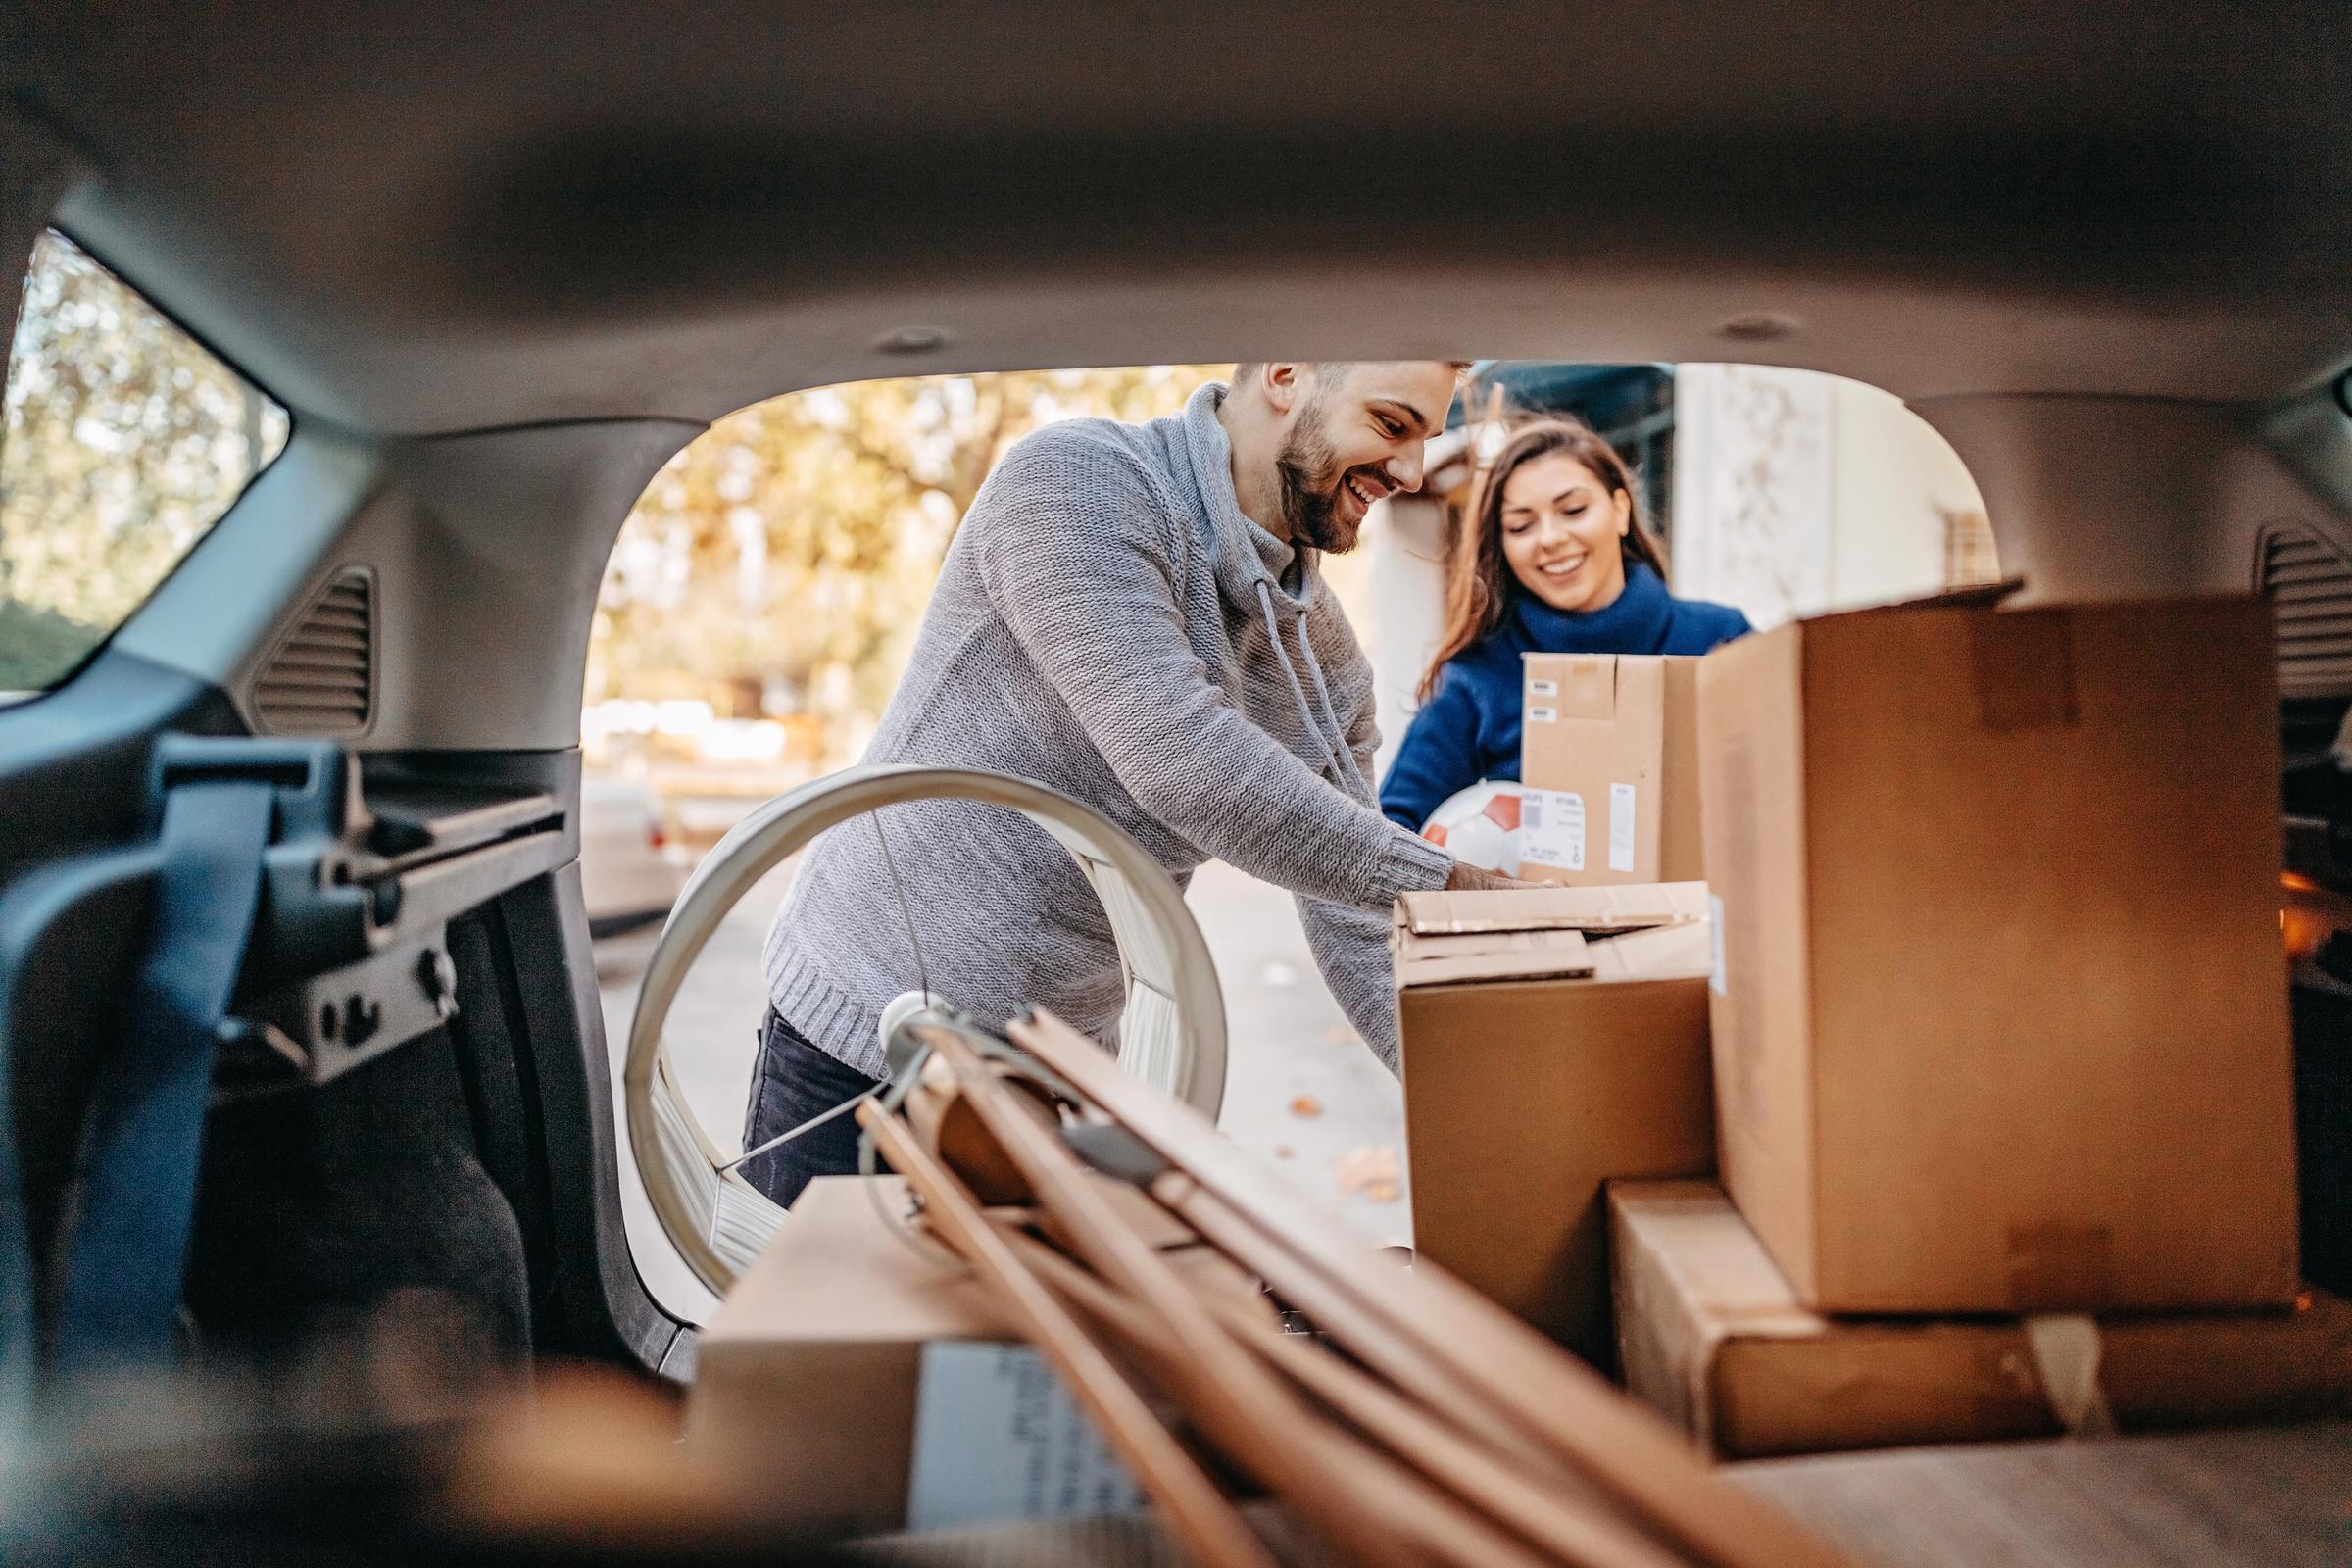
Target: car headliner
443,216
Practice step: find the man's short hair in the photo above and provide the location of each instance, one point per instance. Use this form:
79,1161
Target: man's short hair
1249,368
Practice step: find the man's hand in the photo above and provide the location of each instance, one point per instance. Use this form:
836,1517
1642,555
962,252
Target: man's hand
1467,878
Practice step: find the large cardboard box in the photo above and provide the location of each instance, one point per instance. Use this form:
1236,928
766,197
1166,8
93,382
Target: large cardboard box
2000,1016
1612,743
813,1381
1712,1334
1543,1055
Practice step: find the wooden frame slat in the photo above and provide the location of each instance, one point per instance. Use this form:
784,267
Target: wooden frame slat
1396,1496
1204,1518
1633,1455
1217,1383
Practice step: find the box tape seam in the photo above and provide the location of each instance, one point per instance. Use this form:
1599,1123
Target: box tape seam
2066,1357
2022,666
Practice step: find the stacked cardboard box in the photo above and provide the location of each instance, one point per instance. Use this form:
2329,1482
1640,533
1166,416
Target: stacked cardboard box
1551,1041
1609,758
1997,1008
1714,1336
2000,1018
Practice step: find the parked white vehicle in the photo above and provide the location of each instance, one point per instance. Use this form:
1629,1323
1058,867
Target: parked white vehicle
630,874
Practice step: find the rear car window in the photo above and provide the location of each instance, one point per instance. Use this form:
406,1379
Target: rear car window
125,440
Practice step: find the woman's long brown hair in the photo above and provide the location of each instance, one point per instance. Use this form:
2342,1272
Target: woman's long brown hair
1479,584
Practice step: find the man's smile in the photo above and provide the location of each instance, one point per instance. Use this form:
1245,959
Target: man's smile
1362,488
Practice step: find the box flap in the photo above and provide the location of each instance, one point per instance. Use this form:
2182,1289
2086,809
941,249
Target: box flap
1569,686
1982,596
834,1273
1563,909
1690,1234
1492,955
1678,951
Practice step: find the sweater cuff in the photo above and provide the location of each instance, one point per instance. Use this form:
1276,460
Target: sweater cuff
1408,864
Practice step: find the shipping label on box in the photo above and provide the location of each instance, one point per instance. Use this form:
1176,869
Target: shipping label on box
1622,807
998,1436
1552,830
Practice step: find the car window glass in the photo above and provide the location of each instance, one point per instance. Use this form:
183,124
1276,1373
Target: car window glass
125,440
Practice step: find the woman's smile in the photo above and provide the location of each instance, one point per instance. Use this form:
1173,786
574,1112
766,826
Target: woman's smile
1562,532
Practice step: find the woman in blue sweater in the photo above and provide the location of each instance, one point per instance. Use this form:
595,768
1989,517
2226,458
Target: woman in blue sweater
1552,559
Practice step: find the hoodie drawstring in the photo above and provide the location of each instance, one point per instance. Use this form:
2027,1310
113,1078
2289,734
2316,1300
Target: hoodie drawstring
1335,745
1339,736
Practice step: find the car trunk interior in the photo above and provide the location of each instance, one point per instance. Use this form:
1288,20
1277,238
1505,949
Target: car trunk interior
501,269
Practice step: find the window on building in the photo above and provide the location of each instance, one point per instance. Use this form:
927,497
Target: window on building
1970,557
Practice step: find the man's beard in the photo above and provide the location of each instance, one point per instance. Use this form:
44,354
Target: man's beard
1311,483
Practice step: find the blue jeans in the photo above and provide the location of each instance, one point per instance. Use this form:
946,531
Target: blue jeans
793,1082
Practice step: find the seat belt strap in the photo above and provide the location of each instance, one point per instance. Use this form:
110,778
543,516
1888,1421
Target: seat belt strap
125,1253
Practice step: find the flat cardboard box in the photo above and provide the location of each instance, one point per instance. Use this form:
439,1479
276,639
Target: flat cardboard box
806,1380
1542,1060
2000,1015
1612,740
1712,1334
1445,938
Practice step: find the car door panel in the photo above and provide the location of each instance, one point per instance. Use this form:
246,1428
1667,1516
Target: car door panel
471,1166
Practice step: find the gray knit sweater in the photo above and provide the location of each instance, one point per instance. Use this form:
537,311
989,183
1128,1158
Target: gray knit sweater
1107,622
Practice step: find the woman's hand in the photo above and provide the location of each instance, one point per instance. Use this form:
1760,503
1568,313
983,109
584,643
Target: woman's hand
1467,878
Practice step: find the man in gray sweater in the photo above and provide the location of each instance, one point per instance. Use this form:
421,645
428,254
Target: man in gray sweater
1131,614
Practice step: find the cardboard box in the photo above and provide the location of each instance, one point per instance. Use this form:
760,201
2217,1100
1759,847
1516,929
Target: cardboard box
1612,741
1543,1055
1712,1334
2000,1017
808,1381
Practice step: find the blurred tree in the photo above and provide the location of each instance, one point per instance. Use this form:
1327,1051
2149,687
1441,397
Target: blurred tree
795,542
125,440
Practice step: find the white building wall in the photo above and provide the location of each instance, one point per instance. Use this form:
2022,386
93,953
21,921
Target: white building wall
1896,482
1406,540
1755,479
1797,492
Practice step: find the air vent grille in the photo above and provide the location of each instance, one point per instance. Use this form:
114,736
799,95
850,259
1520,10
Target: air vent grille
2309,583
322,680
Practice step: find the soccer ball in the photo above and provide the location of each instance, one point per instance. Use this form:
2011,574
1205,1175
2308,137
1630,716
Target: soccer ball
1480,826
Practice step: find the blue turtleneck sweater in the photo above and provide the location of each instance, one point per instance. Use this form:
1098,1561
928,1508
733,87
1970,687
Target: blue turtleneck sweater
1469,728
